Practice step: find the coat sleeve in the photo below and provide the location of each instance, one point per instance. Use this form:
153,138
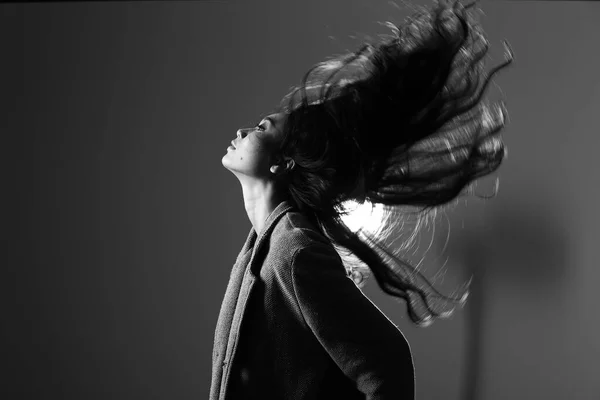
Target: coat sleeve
361,340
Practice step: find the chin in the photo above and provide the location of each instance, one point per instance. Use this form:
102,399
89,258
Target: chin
223,160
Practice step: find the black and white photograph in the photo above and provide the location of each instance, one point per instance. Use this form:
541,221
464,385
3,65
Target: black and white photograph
300,200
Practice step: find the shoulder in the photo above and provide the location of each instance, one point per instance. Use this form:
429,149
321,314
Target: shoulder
292,247
296,240
311,252
295,232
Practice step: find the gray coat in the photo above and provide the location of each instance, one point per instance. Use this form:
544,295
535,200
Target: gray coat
294,326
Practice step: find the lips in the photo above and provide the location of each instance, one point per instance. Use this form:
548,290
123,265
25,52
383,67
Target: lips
232,145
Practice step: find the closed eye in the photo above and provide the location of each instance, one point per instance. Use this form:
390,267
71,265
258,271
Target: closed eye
260,123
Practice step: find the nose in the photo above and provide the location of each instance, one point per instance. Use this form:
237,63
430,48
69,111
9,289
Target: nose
241,133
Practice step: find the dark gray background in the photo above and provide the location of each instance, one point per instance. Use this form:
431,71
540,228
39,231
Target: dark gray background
121,225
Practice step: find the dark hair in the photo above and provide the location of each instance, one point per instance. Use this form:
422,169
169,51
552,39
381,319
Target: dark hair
399,123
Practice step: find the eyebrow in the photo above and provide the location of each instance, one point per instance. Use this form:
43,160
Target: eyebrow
272,121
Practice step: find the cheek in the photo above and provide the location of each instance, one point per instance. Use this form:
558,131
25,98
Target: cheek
251,154
257,150
254,151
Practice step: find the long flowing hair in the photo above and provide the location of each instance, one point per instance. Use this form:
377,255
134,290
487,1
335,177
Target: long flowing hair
398,124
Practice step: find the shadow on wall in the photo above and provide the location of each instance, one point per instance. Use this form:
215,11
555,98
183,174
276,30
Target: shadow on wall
521,246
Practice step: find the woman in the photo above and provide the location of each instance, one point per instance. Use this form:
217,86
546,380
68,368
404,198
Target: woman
397,124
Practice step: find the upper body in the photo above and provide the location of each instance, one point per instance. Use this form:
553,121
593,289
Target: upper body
294,326
392,129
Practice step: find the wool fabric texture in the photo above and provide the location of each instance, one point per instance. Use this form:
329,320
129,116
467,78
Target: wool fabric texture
294,326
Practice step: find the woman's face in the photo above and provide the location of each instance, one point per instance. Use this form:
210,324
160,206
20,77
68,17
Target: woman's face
254,147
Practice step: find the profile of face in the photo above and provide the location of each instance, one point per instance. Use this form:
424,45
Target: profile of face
252,153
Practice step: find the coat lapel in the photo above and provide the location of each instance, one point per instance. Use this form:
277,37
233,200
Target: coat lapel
226,313
239,287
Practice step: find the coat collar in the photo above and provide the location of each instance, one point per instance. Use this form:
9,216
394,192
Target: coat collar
254,242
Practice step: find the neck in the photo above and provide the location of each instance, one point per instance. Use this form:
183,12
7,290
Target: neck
260,200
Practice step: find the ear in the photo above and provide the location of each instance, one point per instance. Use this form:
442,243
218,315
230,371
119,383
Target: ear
282,167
